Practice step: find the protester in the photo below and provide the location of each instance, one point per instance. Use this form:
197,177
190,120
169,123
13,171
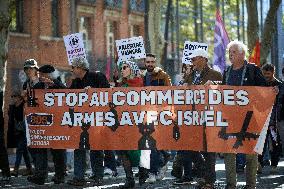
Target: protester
47,80
50,79
84,79
17,123
31,71
129,78
179,78
155,76
39,155
241,73
204,161
280,110
273,137
110,163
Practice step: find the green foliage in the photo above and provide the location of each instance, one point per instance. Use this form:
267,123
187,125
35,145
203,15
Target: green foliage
187,25
13,16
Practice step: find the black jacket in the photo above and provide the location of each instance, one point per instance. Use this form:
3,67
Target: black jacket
92,79
253,76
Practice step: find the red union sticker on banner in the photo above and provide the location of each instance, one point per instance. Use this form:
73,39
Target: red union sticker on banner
211,118
74,46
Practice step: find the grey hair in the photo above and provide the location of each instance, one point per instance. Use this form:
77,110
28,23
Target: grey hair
81,63
241,46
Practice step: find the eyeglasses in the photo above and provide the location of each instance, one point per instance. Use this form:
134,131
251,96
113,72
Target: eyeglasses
124,67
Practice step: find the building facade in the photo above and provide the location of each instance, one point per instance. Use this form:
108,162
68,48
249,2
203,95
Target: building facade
38,27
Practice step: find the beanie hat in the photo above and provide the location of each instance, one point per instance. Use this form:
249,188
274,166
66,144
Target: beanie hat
46,69
133,67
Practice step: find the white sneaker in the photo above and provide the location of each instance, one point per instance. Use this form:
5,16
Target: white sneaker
162,173
108,171
151,179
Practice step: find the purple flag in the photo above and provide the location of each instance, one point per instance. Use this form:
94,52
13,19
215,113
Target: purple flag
221,41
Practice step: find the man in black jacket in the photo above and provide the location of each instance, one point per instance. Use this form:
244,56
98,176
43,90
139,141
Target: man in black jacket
85,79
241,73
46,80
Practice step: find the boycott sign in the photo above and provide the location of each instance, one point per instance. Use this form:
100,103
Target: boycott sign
189,47
74,46
131,48
200,118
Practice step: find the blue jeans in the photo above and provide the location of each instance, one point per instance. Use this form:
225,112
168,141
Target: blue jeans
22,150
96,158
187,163
40,161
109,160
241,160
79,163
97,163
155,161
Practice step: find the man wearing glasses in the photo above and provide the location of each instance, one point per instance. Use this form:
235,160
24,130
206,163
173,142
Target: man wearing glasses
203,161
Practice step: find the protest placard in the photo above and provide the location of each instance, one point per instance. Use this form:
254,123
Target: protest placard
200,118
189,47
131,48
74,46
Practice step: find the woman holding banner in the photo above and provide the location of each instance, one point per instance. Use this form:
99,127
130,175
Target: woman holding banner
130,77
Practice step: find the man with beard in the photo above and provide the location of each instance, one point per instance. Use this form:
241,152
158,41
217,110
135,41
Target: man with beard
155,76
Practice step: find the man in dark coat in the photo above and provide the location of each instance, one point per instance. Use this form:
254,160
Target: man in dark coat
204,161
241,73
84,79
46,81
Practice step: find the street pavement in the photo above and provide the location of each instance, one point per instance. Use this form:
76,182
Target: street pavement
266,180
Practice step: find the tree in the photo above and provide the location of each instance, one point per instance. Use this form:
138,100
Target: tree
268,30
154,32
5,20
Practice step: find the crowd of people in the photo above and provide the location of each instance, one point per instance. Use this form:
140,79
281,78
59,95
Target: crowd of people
187,164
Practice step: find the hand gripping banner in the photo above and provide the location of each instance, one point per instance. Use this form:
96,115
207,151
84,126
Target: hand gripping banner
200,118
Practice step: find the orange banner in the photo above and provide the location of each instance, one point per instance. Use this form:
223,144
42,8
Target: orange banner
212,118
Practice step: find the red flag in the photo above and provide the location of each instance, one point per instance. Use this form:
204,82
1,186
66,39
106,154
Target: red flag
255,55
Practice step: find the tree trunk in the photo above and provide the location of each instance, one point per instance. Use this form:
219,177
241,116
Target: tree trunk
268,30
253,25
201,21
195,16
155,35
4,29
243,20
146,24
177,30
166,34
238,18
